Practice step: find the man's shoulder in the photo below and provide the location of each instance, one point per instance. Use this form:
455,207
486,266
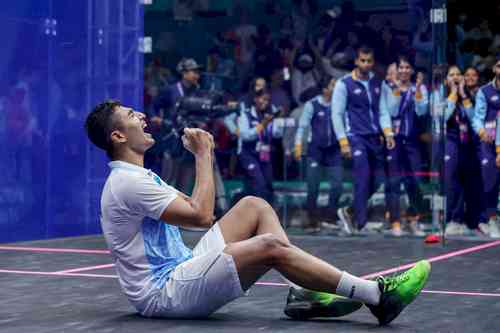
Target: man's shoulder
126,181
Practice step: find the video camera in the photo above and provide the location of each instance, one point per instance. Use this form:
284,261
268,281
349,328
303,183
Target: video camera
194,110
201,107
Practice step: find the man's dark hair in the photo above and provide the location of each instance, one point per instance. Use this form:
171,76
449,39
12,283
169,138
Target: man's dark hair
364,50
404,58
261,92
325,81
99,125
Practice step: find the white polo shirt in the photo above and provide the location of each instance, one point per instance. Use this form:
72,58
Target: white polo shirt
145,249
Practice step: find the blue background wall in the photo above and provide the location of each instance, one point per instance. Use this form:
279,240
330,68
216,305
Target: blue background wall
58,59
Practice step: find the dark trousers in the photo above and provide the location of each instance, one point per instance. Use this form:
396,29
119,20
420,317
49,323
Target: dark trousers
490,176
403,164
460,182
260,175
368,155
330,159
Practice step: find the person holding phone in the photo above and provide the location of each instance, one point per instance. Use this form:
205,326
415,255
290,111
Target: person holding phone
256,131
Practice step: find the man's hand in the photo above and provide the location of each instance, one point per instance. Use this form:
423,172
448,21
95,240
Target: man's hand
345,150
485,137
390,143
267,120
198,141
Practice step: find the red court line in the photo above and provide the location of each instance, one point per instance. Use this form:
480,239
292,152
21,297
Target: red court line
89,268
434,259
49,249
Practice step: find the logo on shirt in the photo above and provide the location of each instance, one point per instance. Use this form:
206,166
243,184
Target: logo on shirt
321,113
494,98
358,153
357,91
377,91
314,164
389,158
447,158
484,161
251,166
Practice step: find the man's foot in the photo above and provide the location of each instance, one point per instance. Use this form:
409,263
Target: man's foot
454,229
399,291
494,228
484,228
329,225
345,220
414,229
396,230
303,304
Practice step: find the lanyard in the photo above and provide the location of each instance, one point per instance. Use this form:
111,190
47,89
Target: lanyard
180,89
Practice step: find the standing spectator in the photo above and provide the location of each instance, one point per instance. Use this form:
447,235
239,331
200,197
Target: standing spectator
322,152
407,102
359,124
485,125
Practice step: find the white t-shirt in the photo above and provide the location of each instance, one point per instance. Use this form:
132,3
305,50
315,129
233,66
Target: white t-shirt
145,249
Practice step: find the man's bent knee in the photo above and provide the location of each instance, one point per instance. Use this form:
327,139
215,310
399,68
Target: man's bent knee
273,248
255,203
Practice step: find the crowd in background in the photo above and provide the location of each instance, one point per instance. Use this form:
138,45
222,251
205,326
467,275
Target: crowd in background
286,70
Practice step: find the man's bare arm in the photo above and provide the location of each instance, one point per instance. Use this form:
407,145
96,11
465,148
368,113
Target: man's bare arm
198,209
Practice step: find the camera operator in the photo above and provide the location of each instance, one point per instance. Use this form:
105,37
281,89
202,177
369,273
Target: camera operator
177,168
257,129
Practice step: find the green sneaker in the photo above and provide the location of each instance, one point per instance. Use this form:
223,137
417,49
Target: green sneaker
304,304
399,291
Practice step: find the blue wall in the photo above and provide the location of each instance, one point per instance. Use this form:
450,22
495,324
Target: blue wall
58,59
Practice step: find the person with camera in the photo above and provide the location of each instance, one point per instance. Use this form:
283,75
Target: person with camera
362,128
256,131
177,165
323,151
485,125
406,103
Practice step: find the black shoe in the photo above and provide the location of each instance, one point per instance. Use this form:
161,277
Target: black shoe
304,304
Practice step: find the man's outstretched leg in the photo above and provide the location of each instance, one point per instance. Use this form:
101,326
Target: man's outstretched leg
258,243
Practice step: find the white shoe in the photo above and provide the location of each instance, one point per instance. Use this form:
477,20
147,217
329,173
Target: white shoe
484,228
345,221
415,230
454,229
494,228
374,226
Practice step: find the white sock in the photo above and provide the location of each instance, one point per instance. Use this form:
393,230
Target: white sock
363,290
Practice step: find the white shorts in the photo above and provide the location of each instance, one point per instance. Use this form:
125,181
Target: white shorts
202,284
